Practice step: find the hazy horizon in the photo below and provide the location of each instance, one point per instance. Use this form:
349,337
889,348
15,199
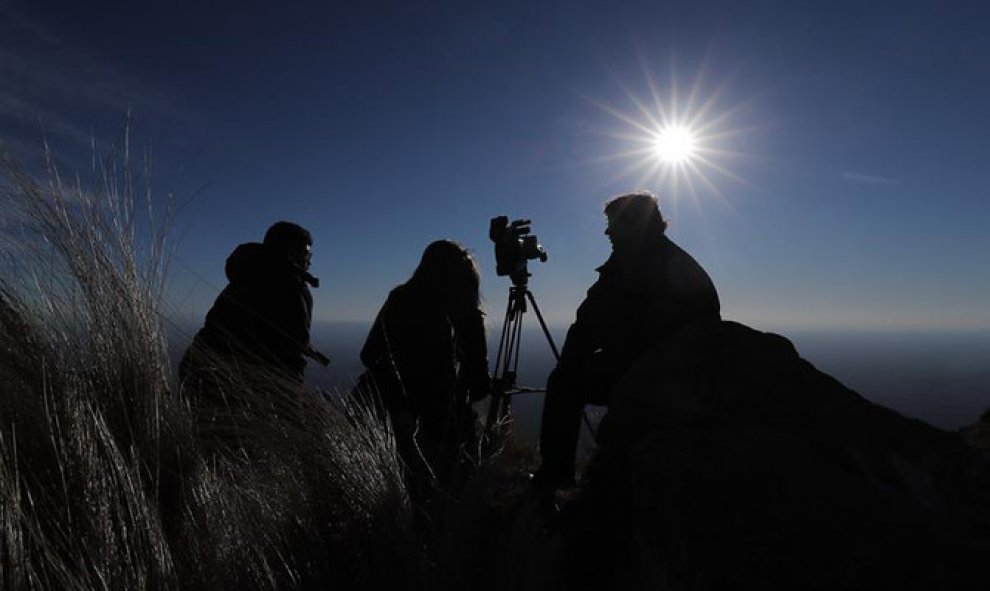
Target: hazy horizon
940,377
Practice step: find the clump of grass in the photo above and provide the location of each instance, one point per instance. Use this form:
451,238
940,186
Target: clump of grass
112,475
490,531
86,412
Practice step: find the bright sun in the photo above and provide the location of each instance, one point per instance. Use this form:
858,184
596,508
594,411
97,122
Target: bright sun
680,141
675,145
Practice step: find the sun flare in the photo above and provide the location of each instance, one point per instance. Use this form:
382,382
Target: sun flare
675,144
676,140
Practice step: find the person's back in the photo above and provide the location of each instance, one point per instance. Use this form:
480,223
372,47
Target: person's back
426,357
643,297
262,317
411,350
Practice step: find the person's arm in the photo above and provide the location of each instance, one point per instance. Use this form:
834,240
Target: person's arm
291,329
587,333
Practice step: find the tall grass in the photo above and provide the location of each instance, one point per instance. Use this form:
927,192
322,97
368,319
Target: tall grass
113,475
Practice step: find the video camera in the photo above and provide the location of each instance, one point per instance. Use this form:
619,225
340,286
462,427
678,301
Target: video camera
514,247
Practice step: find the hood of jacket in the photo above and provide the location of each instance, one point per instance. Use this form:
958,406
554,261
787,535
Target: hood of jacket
252,262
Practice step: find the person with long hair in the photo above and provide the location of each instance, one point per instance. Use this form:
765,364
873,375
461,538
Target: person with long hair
427,361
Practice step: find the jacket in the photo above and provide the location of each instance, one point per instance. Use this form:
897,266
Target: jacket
424,352
639,300
263,315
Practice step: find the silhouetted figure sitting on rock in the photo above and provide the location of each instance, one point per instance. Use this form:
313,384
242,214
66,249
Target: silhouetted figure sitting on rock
260,322
427,361
648,290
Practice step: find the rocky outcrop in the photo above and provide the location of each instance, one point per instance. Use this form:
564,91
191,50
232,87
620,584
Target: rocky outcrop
727,461
978,435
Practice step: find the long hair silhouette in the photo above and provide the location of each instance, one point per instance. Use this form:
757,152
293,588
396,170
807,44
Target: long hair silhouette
447,268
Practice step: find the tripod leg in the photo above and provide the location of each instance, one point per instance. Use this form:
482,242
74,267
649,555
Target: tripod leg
543,325
508,347
503,342
556,354
513,360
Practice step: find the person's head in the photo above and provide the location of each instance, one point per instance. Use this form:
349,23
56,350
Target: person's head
291,241
449,266
632,219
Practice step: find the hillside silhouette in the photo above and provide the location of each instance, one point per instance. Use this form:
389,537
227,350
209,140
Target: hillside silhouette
731,462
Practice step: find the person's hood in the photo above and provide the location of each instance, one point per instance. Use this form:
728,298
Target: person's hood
252,261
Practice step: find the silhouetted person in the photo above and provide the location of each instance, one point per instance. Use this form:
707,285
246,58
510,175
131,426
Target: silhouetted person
427,359
261,320
647,290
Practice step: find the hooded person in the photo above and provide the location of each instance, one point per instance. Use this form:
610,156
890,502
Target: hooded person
261,320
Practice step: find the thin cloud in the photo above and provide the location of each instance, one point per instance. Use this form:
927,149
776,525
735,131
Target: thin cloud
52,86
868,179
42,119
34,60
36,29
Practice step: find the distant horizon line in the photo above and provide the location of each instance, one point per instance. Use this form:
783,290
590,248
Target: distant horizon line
188,322
879,329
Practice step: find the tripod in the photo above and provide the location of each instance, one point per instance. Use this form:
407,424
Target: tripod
507,359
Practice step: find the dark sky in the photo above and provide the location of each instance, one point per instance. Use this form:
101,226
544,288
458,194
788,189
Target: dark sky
840,179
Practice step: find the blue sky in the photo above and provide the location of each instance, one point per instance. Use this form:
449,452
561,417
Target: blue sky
847,140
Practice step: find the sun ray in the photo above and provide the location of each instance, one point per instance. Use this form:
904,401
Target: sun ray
618,114
657,102
696,89
725,171
643,109
700,174
641,155
678,142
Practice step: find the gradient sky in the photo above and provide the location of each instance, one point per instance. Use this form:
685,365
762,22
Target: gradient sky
847,141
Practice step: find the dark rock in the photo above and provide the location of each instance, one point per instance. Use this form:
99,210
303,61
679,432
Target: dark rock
727,461
978,435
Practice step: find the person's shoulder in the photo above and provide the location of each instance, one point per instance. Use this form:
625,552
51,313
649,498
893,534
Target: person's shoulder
658,252
399,297
608,266
682,269
670,251
400,292
666,245
665,262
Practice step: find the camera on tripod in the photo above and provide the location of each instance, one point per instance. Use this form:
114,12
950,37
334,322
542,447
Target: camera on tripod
514,247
